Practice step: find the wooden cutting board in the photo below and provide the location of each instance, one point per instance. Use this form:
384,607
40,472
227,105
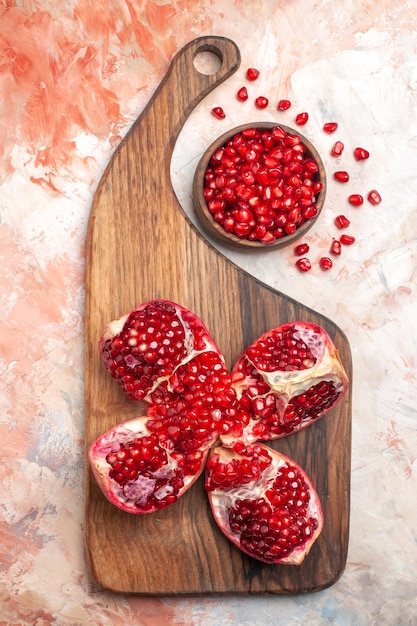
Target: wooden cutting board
142,246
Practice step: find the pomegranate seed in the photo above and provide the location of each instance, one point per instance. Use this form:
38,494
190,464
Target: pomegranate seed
242,94
374,197
283,105
360,154
219,113
330,127
337,149
341,176
335,248
347,240
355,199
325,263
301,249
342,221
252,73
301,119
261,102
303,264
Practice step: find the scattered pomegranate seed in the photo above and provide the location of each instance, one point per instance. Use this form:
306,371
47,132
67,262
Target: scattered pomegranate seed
355,199
252,73
337,149
360,154
325,263
336,248
341,176
283,105
301,249
242,94
347,240
330,127
261,102
301,119
303,264
374,197
342,221
219,113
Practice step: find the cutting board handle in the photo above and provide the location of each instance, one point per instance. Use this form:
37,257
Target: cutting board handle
184,86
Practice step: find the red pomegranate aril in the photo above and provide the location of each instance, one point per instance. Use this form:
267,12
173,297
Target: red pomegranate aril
342,221
242,94
264,503
347,240
303,264
301,119
261,102
284,105
374,197
325,263
341,176
361,154
252,73
337,149
330,127
219,113
355,199
335,248
301,249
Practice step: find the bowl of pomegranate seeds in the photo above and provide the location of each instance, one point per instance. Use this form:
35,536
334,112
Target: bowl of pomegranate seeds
259,186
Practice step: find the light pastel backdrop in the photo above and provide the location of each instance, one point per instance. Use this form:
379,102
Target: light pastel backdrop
74,75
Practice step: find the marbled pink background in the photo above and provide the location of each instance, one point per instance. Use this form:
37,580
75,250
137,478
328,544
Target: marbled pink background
73,77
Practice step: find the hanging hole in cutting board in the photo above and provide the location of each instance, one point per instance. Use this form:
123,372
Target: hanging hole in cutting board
207,63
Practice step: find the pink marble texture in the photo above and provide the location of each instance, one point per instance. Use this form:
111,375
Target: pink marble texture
73,77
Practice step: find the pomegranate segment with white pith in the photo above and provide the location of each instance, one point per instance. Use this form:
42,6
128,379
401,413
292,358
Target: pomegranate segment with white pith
264,503
140,472
145,347
287,379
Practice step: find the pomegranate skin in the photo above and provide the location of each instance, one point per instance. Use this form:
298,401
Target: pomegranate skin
264,503
152,474
145,347
286,380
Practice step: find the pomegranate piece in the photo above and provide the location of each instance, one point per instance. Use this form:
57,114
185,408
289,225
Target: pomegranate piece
374,197
264,503
325,263
301,119
355,199
301,249
335,248
219,113
287,379
341,176
303,264
284,105
342,221
145,347
360,154
347,240
330,127
252,73
262,184
242,94
261,102
337,149
140,472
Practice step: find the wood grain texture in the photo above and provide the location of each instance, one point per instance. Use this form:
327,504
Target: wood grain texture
141,246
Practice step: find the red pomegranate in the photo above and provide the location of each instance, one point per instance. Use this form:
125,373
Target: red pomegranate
140,472
285,380
264,503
